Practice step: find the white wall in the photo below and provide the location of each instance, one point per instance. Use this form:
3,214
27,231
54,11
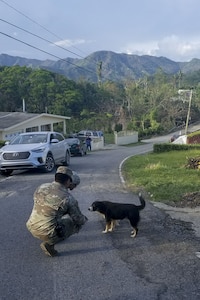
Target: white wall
97,143
126,137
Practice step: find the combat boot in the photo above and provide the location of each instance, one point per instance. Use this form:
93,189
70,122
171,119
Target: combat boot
48,249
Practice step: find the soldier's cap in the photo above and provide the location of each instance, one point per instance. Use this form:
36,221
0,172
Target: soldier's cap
65,170
75,178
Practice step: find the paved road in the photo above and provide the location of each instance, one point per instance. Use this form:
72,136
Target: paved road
160,263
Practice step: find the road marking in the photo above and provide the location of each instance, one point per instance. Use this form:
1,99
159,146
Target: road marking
123,161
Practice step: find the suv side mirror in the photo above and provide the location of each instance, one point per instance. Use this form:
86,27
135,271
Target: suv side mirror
54,141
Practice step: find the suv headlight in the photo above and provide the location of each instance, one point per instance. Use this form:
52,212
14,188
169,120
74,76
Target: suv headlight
39,150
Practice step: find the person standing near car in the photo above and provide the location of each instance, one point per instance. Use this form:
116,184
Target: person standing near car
55,214
88,143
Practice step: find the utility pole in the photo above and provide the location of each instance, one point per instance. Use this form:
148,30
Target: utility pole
189,94
99,73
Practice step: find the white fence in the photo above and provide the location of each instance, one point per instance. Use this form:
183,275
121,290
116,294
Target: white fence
97,143
126,137
121,138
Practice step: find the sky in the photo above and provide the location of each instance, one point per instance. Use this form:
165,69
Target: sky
59,29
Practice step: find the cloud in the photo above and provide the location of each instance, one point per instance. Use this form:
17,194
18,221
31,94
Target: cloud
147,48
70,43
178,48
172,47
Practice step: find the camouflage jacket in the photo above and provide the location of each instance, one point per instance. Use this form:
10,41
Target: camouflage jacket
51,202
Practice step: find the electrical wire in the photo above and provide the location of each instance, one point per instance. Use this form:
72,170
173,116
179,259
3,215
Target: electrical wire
63,48
46,29
99,67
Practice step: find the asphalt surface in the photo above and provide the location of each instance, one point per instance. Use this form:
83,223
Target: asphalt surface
161,263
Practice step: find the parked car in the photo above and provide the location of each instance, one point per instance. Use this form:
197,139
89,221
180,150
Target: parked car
77,146
44,149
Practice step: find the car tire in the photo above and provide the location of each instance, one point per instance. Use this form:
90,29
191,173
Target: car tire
49,163
6,172
67,159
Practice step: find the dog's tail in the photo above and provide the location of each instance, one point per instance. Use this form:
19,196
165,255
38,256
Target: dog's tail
142,201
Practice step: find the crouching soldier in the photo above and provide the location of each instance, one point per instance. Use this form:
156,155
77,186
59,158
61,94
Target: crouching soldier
56,214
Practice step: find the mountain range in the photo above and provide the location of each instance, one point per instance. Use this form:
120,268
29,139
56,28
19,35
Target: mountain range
106,65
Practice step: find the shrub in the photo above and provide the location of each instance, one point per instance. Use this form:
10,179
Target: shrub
166,147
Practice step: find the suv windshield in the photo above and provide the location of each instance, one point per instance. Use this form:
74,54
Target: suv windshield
29,139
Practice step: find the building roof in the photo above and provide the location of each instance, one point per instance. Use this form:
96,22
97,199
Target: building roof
11,119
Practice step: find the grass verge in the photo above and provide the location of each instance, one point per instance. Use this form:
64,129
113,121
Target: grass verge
163,176
109,138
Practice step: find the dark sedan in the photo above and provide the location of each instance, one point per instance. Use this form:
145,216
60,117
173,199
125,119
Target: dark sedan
77,146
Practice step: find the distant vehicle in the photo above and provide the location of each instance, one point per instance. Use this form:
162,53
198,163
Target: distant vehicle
91,133
77,146
182,139
174,137
44,150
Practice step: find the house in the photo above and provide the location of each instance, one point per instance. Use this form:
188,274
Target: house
13,123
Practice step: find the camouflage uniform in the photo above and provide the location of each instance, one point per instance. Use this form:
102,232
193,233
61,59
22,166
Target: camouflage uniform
55,215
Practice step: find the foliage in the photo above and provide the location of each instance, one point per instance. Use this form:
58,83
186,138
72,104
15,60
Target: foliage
167,147
118,127
109,138
150,105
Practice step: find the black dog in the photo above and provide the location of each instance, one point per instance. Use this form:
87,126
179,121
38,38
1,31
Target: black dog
117,211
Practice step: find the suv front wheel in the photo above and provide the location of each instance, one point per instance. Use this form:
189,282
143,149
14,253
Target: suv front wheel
67,159
49,164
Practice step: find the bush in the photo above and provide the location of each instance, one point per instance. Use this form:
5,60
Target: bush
118,127
166,147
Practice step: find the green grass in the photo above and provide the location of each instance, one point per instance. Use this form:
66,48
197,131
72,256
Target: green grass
109,138
164,175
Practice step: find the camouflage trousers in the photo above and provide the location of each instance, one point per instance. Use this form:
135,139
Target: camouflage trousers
65,228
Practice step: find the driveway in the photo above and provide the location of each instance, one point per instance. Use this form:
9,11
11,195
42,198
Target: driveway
160,263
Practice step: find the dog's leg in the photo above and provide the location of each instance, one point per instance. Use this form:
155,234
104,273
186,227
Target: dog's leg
112,225
107,228
134,232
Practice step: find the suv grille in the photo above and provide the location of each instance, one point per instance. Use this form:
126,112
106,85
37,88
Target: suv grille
16,155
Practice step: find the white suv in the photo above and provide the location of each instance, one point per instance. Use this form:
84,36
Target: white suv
90,133
44,149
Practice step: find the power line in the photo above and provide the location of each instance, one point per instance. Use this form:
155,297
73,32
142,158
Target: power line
99,70
46,29
39,37
27,44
